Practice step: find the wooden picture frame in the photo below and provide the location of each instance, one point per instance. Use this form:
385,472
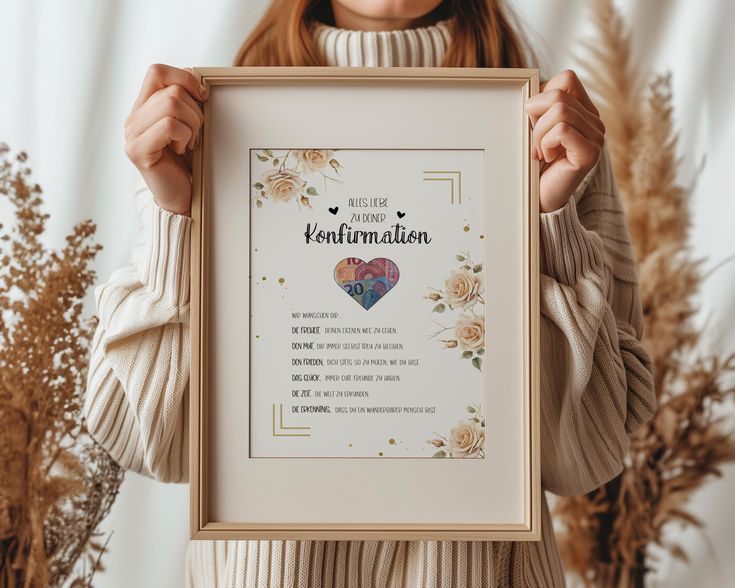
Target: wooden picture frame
381,137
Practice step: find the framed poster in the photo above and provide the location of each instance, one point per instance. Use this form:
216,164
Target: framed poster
364,306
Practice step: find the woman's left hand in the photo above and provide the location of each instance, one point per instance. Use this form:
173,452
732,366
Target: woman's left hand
568,136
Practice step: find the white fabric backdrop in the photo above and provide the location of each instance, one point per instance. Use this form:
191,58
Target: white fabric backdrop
72,69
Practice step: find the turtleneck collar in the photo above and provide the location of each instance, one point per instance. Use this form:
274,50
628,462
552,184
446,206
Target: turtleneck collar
417,47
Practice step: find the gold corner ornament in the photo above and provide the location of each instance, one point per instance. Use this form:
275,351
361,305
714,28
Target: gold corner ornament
282,430
453,177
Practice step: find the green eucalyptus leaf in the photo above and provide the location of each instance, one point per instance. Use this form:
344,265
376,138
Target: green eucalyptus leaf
258,186
440,453
466,354
460,258
471,409
477,268
477,362
311,191
439,308
262,157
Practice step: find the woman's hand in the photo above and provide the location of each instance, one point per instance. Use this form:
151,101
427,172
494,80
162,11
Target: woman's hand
568,136
162,129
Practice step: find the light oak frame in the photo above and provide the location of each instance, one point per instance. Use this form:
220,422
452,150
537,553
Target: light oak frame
201,527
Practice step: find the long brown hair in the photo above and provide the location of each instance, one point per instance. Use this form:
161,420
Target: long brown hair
483,34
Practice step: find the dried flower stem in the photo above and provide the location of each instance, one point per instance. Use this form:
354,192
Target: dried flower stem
56,483
607,533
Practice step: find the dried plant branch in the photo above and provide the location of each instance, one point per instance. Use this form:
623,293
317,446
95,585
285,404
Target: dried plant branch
57,483
607,534
616,85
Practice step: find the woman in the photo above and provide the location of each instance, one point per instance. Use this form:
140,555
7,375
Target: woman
595,374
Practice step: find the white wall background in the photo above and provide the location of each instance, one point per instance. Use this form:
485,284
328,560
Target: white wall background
71,70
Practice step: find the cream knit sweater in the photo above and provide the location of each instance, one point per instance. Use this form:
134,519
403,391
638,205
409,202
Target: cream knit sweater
595,378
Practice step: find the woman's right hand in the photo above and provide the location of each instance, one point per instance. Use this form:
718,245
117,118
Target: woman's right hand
161,131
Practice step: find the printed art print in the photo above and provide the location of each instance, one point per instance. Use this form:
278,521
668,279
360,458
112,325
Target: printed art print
368,303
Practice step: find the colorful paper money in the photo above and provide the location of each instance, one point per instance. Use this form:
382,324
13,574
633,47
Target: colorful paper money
366,281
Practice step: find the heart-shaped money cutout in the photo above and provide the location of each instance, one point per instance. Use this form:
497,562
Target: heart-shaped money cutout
366,281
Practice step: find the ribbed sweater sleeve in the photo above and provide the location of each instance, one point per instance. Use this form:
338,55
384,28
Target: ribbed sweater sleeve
137,394
596,382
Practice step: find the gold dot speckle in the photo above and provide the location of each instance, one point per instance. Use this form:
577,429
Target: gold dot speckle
380,453
466,228
349,445
263,278
281,280
392,441
482,236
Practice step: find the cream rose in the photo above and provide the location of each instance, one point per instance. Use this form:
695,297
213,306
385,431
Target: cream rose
314,159
282,185
470,332
466,439
462,288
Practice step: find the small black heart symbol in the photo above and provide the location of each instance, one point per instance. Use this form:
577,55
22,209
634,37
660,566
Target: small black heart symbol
334,209
401,214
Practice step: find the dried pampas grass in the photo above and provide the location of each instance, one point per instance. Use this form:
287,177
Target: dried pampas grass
606,536
56,483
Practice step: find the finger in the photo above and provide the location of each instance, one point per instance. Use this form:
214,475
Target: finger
146,149
160,75
581,153
169,101
561,113
540,103
568,81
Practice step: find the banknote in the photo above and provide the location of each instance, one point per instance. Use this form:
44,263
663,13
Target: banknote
366,281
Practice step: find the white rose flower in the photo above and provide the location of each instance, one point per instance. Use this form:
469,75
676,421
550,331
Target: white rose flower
314,159
282,185
462,288
470,332
467,439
